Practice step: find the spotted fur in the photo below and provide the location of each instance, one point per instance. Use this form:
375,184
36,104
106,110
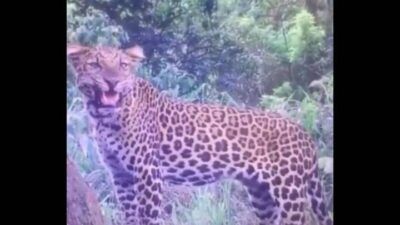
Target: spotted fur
147,139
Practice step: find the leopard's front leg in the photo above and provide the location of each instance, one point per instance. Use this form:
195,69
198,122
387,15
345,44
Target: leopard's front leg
148,195
138,190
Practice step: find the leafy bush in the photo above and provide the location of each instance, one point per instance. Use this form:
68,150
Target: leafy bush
95,27
304,37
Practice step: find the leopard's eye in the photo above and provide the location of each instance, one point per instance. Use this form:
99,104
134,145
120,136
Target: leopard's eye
124,65
94,65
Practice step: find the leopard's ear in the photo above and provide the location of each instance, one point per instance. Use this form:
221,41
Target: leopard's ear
74,52
76,49
136,53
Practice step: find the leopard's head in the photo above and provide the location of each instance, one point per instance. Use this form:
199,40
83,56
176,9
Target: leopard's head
104,74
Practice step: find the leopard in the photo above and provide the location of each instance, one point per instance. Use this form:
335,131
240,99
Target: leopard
148,139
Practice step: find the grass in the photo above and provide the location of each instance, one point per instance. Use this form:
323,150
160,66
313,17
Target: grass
204,207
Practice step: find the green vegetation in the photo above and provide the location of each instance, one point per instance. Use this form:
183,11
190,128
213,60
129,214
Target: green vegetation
273,54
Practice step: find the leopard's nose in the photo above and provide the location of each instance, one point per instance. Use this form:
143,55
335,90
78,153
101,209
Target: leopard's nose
111,84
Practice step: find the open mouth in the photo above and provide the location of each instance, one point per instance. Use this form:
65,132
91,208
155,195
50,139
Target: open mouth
103,99
109,98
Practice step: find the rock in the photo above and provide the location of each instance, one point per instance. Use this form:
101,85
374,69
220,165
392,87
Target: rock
82,205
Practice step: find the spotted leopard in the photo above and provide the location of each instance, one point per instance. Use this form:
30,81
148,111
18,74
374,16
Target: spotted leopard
146,139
